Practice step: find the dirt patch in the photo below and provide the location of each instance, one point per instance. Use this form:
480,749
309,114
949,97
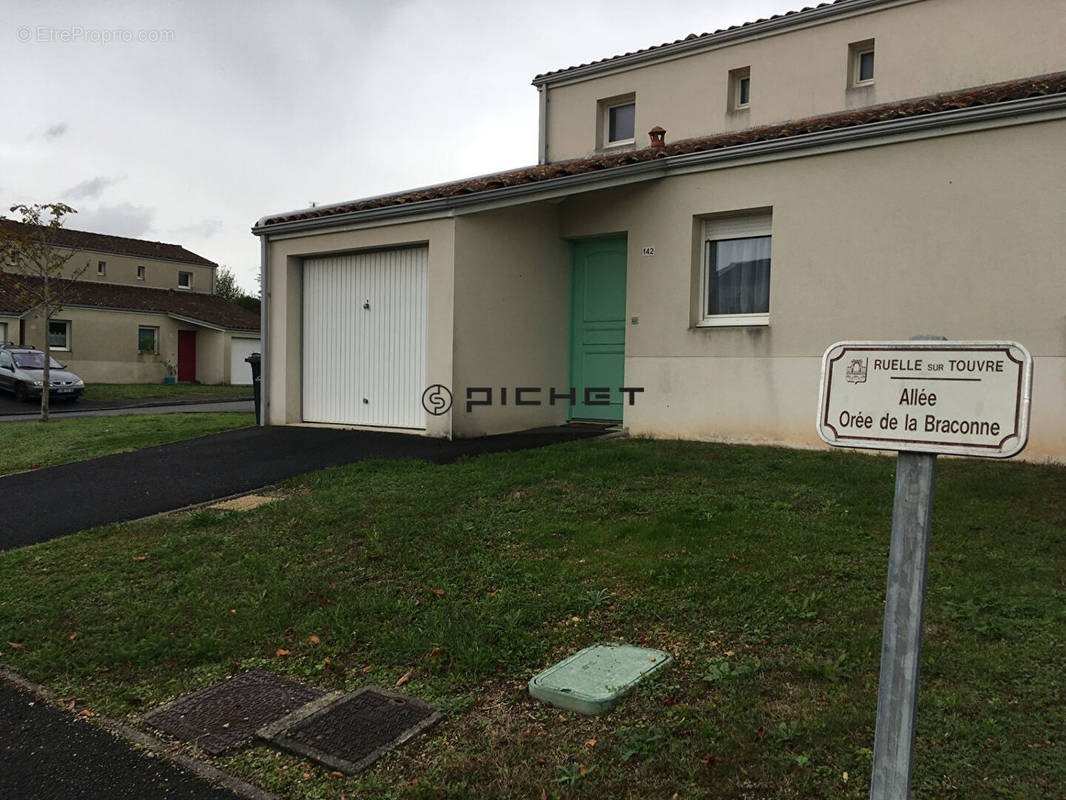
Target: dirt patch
244,503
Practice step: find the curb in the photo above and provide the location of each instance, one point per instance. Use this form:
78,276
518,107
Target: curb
191,401
135,736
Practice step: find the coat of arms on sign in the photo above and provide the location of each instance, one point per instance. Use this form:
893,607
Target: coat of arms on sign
856,372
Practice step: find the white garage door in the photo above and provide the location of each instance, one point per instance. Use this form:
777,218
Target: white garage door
364,338
240,371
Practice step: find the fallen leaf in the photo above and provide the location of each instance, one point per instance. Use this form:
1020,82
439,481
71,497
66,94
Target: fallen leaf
405,677
140,558
337,774
233,611
86,713
307,774
583,770
433,655
280,652
591,742
73,636
14,644
329,549
439,592
367,669
418,602
313,639
326,661
70,705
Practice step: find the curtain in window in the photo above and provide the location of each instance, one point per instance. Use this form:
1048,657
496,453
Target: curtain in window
738,280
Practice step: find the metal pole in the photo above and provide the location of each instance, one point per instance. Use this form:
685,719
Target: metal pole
901,645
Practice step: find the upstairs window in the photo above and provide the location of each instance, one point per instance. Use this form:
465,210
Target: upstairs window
735,279
184,280
739,89
861,63
140,273
101,267
617,123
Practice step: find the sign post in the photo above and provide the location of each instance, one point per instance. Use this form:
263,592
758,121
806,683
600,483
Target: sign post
921,398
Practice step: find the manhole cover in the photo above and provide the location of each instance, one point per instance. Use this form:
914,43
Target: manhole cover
229,713
350,733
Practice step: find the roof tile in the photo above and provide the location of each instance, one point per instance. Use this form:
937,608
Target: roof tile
84,240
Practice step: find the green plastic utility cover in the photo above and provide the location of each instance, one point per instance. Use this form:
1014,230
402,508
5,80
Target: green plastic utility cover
592,680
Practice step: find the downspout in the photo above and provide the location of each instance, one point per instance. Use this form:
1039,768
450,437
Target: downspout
542,142
264,306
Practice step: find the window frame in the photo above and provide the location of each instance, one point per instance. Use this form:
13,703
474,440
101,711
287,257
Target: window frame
606,106
101,268
738,80
155,339
141,271
65,348
188,284
856,51
755,224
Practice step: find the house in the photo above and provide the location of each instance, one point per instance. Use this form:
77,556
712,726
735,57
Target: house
136,309
706,217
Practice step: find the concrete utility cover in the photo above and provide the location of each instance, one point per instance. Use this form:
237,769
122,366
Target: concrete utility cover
228,714
351,732
591,681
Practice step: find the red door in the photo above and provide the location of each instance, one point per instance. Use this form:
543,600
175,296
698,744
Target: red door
186,355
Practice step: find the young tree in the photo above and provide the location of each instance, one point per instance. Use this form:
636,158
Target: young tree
25,249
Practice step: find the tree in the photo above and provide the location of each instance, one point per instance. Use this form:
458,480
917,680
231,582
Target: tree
226,287
25,249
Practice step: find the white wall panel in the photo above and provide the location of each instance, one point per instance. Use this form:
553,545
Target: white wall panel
365,366
240,372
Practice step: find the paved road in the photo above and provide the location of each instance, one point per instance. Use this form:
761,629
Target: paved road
115,488
46,754
13,411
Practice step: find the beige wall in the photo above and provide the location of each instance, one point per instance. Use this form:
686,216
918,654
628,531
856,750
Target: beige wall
953,236
284,287
159,273
512,296
921,48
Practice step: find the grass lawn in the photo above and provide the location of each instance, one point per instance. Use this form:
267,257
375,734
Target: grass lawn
117,392
762,570
30,445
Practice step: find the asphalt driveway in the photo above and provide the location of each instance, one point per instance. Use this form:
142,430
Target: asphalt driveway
61,500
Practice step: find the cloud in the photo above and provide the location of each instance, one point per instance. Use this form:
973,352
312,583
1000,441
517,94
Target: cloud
90,189
202,229
56,131
123,219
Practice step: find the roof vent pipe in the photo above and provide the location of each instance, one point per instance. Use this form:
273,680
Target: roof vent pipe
658,138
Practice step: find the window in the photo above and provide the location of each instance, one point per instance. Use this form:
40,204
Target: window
739,89
735,274
140,273
101,267
861,63
148,340
184,280
58,334
3,333
617,123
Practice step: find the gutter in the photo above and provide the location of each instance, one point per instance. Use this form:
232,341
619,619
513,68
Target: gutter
941,123
264,318
542,138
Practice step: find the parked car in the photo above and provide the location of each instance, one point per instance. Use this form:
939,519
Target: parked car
22,373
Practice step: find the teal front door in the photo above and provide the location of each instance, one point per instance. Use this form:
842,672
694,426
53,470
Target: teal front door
598,327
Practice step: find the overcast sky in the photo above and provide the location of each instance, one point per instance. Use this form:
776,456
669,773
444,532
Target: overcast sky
187,121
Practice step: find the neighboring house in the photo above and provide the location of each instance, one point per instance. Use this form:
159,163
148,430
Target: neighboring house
136,308
865,169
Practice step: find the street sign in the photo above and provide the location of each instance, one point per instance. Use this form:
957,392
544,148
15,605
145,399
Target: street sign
926,396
